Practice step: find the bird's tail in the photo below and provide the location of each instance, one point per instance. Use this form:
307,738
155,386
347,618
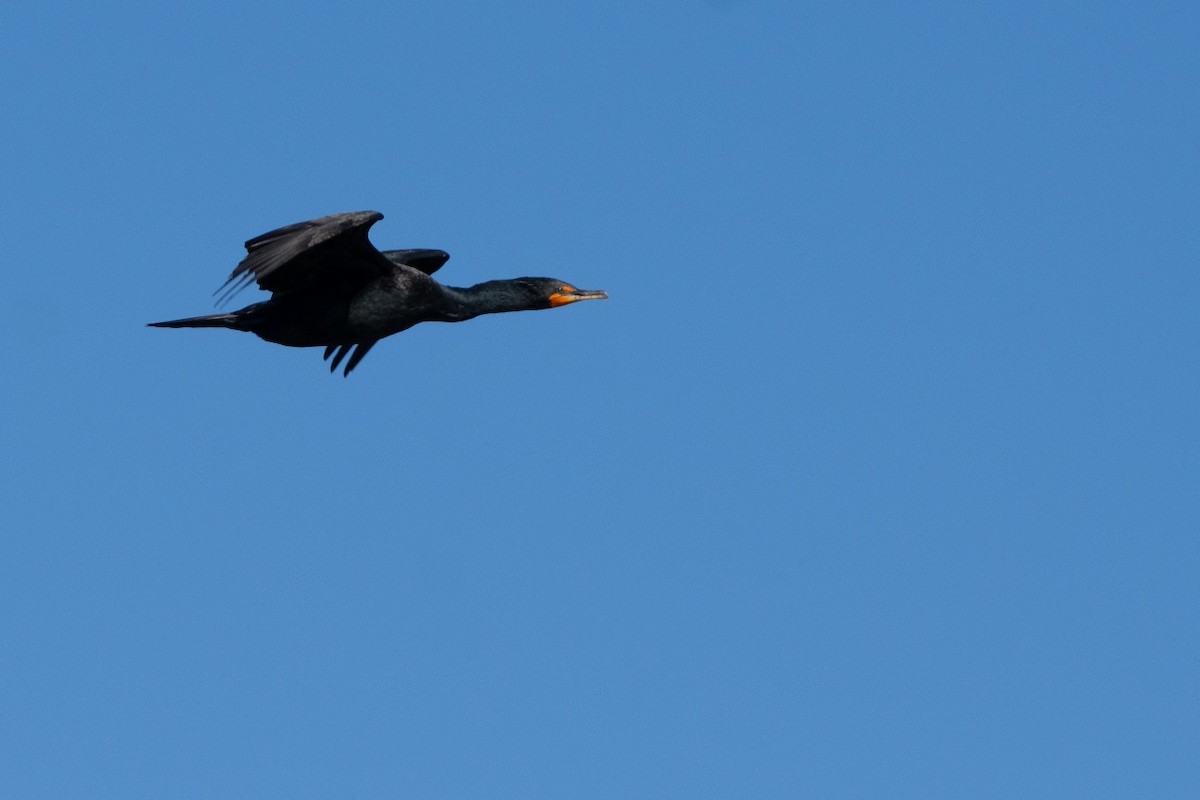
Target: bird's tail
209,321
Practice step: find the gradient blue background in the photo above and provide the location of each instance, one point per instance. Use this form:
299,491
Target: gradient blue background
876,477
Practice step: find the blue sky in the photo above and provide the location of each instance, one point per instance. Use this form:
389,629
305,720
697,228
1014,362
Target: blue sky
876,477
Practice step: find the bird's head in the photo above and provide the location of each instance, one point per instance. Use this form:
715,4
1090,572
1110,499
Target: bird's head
551,293
523,294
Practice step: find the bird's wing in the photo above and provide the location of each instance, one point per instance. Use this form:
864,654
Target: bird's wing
427,261
360,351
331,251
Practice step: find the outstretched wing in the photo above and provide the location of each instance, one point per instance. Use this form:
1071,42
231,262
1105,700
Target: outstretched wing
332,253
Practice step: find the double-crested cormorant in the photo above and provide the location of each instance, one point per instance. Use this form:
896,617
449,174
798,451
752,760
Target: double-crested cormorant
331,288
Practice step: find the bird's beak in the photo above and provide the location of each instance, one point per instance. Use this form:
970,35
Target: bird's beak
569,295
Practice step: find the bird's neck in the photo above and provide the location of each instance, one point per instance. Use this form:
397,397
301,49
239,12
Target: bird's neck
490,297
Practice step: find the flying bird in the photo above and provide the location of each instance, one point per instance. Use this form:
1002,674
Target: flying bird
331,288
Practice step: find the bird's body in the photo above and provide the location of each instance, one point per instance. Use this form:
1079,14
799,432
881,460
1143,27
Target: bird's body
331,288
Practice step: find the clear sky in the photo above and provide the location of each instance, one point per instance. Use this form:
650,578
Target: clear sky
875,477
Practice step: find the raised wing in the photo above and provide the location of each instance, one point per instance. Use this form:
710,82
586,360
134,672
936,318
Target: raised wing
331,253
427,261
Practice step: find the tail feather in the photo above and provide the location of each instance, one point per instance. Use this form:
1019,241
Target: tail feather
209,321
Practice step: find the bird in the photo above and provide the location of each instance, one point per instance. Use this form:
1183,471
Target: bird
330,287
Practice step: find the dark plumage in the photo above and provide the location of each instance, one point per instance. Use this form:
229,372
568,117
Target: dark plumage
331,288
